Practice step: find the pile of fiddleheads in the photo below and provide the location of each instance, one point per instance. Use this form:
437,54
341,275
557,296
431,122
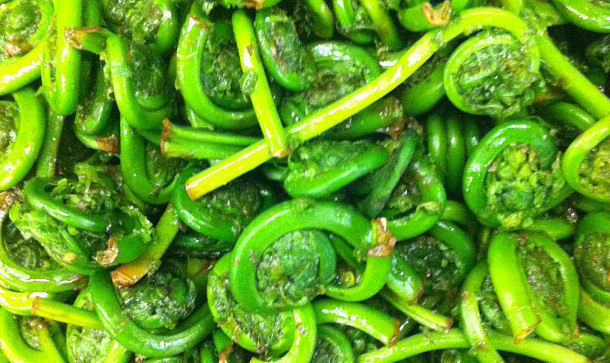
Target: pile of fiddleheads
304,181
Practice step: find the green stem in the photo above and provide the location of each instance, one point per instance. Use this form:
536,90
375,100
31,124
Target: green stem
32,304
47,159
375,323
455,339
262,100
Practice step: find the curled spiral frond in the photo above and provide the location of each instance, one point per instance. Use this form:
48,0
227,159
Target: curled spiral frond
493,73
21,136
591,255
151,22
264,267
121,322
513,175
25,25
586,164
544,298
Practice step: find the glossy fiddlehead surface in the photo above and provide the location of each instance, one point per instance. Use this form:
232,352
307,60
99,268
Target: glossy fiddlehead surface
265,181
25,25
61,63
585,164
147,173
140,84
505,86
591,253
93,112
267,267
319,168
150,22
545,296
451,138
513,175
285,56
25,265
208,72
257,333
417,201
121,321
360,21
591,15
225,213
23,123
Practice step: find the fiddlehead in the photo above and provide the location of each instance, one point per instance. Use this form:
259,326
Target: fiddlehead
25,265
301,222
358,318
209,73
591,255
586,162
321,167
22,133
380,183
82,224
332,346
537,285
285,56
499,174
159,302
16,346
340,68
92,345
122,321
138,76
151,22
472,301
505,86
25,25
256,85
425,88
142,93
264,334
223,214
147,173
93,112
314,18
417,202
361,20
426,272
